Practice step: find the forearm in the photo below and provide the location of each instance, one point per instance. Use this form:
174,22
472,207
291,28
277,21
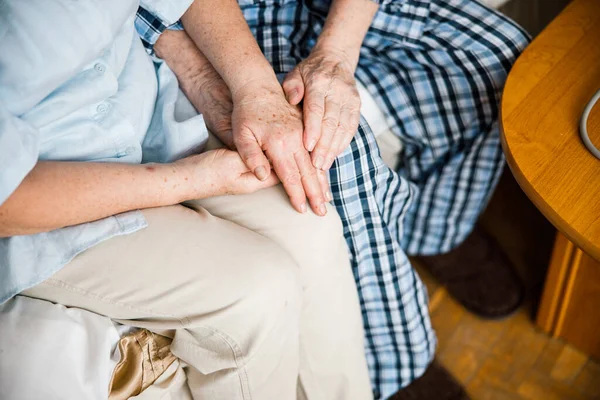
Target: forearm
58,194
192,69
221,33
346,26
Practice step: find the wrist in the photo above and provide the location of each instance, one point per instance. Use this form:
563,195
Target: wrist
256,84
345,53
177,180
256,89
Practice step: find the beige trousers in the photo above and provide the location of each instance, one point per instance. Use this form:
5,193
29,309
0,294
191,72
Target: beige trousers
259,300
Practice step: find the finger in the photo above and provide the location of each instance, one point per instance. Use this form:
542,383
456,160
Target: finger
329,126
289,175
252,154
323,177
343,135
310,182
348,129
252,184
314,110
248,181
293,87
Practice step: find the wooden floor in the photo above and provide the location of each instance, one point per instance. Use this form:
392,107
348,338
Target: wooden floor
511,358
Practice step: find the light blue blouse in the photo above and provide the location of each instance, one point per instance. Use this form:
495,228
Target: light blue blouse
77,85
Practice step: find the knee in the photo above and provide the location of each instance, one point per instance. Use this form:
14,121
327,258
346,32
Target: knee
319,237
320,249
506,43
514,40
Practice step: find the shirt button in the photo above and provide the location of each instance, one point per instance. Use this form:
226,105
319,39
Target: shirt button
102,108
99,67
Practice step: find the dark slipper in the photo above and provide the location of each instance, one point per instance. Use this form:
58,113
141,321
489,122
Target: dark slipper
435,384
479,276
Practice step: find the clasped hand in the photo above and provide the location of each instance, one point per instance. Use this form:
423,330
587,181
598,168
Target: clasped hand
271,132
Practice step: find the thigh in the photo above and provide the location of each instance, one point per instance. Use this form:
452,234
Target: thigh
229,297
186,264
313,242
439,87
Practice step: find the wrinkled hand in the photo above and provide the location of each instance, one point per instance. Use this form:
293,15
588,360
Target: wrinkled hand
221,172
266,127
212,98
325,81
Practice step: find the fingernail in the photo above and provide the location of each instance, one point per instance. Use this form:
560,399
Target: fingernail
329,162
311,145
328,196
323,209
319,162
261,173
292,95
303,208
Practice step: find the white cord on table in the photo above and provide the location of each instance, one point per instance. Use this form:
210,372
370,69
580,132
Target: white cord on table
583,126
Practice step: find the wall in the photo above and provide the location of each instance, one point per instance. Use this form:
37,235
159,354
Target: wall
533,15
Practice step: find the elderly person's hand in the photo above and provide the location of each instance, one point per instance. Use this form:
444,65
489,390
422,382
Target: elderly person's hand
325,80
200,82
221,69
266,127
220,172
213,101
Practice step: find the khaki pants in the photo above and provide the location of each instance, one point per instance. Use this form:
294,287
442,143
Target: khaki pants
259,300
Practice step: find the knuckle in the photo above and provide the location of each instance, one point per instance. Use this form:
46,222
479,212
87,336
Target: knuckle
354,119
318,78
334,102
315,193
330,123
277,142
321,150
292,179
309,173
315,107
346,127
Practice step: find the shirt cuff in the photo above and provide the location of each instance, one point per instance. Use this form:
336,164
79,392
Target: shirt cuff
154,17
19,150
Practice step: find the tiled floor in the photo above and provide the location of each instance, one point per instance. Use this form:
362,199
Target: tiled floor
511,358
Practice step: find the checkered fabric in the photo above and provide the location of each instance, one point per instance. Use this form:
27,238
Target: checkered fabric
436,68
150,27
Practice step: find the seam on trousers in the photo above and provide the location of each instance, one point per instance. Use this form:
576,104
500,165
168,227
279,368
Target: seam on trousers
237,354
86,293
185,323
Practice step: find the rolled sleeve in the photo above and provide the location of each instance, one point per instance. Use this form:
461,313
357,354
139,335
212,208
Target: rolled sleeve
19,149
155,16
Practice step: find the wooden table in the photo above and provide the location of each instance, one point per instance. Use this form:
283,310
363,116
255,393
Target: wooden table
544,97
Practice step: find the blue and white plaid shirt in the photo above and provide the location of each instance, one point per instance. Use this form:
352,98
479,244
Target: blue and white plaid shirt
149,28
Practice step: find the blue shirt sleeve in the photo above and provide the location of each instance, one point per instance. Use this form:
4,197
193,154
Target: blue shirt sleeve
155,16
19,149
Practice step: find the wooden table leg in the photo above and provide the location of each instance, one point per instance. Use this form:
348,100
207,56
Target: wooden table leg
570,306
